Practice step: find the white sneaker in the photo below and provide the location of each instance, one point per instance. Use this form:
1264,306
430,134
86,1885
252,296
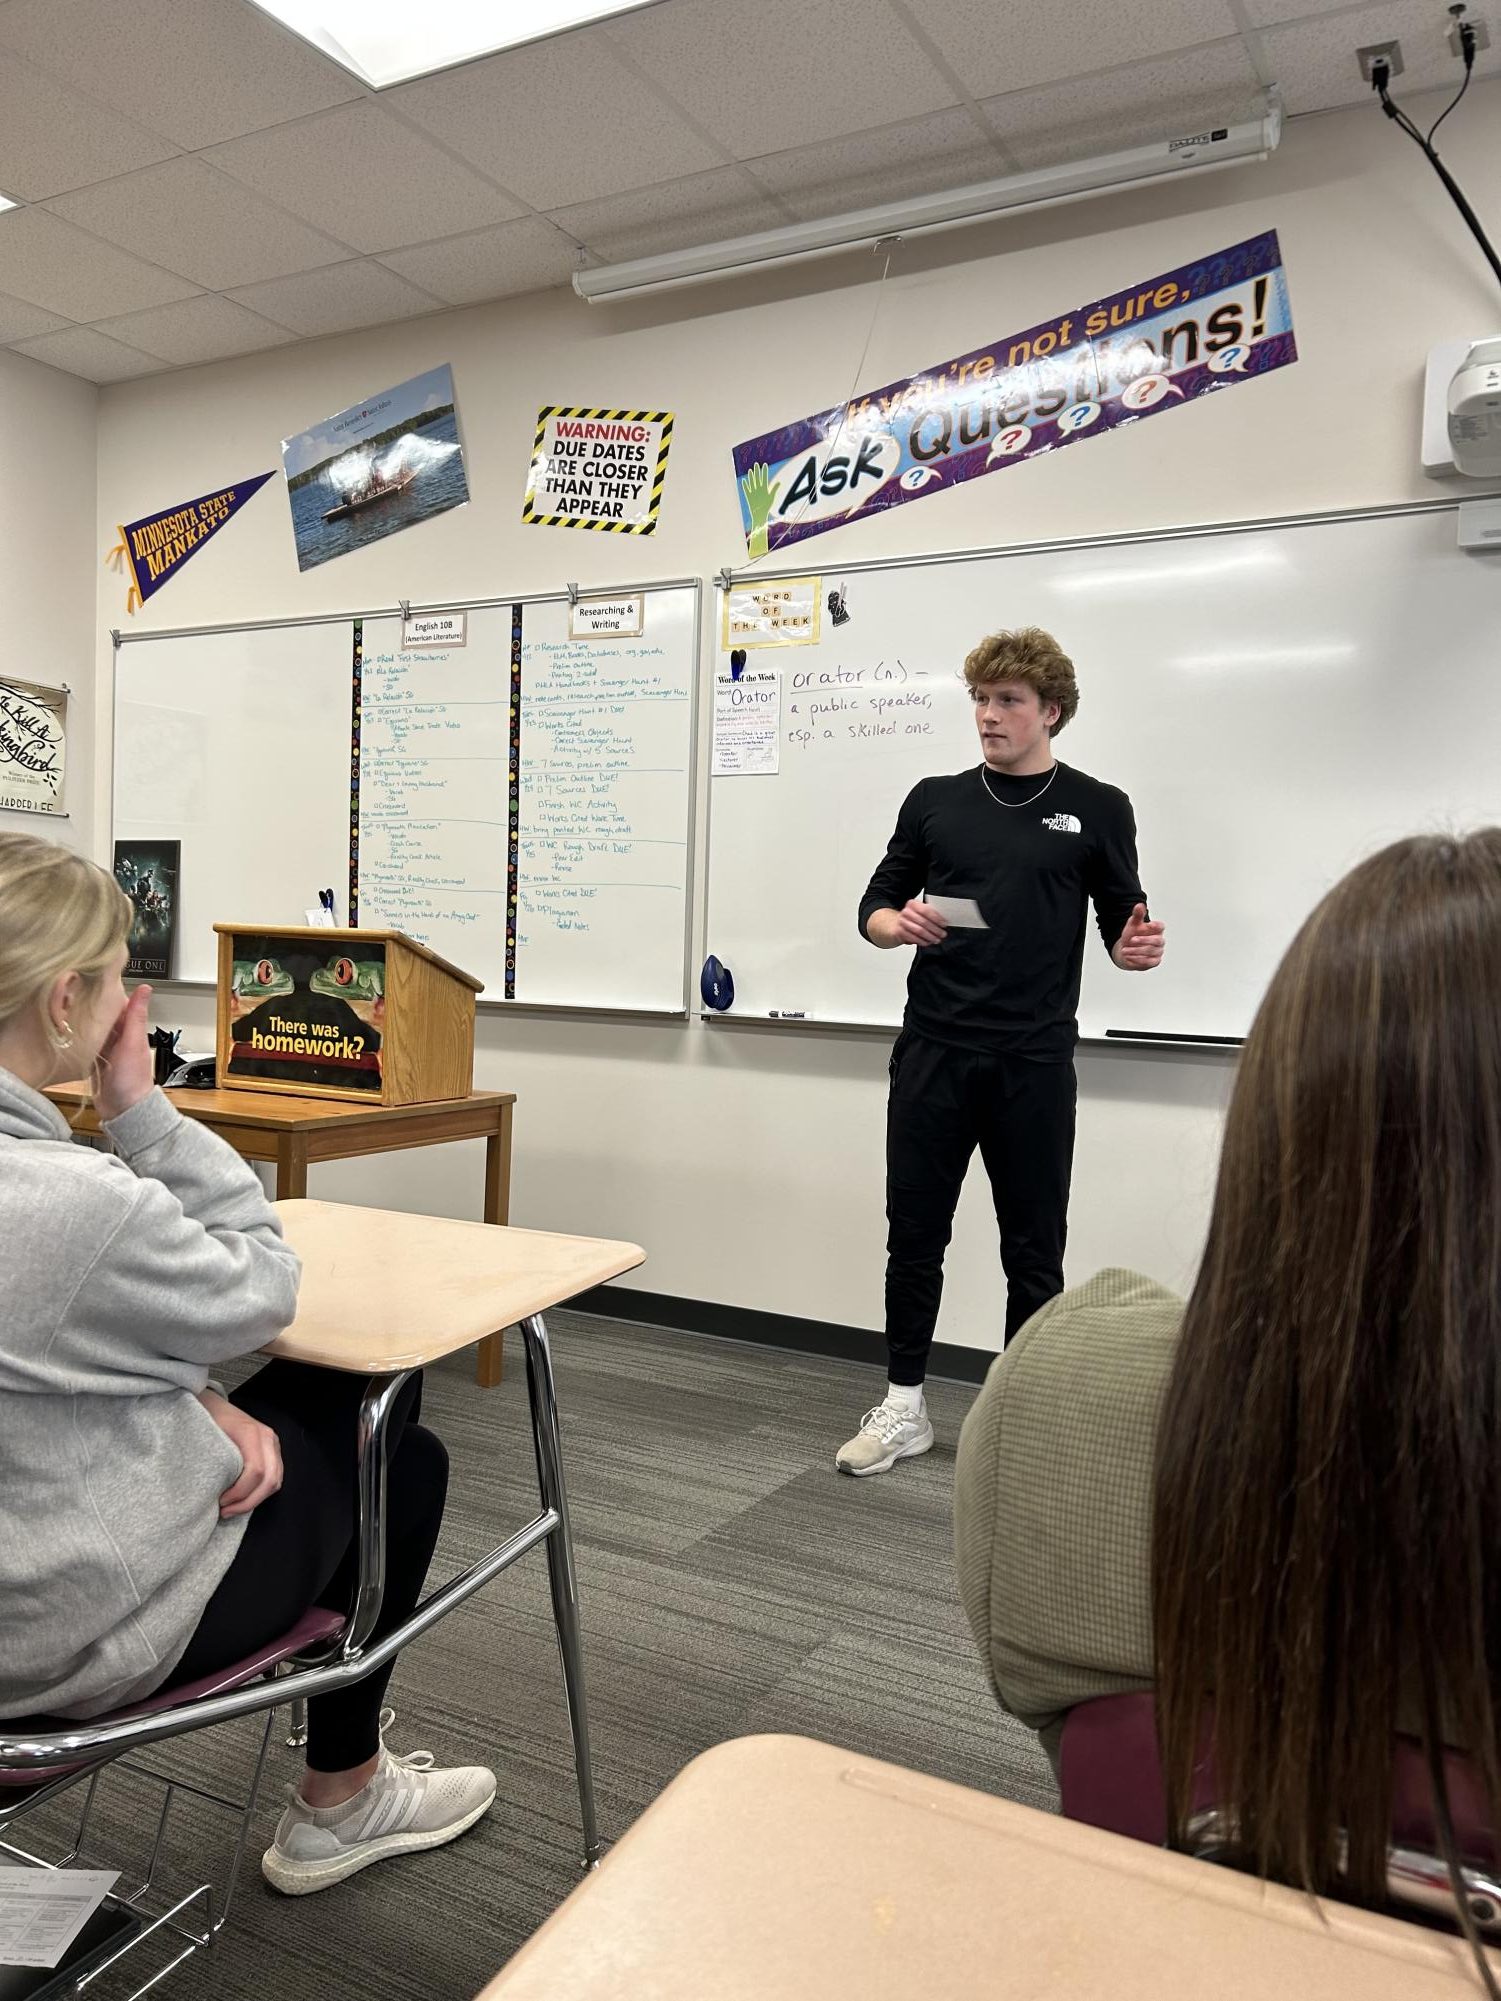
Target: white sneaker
889,1432
406,1806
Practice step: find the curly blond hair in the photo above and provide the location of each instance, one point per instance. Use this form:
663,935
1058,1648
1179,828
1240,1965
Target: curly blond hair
1032,657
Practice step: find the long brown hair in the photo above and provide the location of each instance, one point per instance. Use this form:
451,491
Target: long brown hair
1326,1545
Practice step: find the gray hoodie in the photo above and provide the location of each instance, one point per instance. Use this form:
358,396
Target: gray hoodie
121,1282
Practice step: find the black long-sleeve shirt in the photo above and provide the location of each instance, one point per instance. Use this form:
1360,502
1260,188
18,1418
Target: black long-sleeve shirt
1033,865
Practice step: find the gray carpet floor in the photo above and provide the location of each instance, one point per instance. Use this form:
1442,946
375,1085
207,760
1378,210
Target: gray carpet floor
732,1582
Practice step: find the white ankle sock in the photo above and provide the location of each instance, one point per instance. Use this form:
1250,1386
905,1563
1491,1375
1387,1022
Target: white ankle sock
907,1395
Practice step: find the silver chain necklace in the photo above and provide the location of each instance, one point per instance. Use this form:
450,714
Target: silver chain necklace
1011,805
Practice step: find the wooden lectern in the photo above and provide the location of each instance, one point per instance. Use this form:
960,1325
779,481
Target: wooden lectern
368,1016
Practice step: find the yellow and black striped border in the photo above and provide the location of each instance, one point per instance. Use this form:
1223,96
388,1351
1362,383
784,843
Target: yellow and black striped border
666,418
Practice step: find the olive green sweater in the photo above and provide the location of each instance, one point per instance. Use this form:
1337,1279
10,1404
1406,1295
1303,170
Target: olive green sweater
1053,1498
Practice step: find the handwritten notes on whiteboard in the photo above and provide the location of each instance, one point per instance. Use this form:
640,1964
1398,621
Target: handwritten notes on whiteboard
602,757
434,766
606,735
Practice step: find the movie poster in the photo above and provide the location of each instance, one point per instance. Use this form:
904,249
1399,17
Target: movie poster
302,1013
380,467
147,871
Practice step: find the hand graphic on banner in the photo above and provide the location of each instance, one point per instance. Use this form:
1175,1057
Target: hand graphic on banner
760,492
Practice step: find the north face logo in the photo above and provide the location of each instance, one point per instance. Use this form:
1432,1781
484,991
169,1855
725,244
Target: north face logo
1063,823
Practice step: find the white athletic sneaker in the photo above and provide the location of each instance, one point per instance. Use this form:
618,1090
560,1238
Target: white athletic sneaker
887,1433
407,1805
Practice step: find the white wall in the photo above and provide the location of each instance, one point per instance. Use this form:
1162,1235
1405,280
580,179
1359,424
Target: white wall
48,425
748,1164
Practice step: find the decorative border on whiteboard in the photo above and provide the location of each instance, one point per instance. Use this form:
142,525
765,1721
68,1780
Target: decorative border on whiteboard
513,817
356,709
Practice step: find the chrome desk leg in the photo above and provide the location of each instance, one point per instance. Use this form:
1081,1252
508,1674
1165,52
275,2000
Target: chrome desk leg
565,1596
370,1512
370,1473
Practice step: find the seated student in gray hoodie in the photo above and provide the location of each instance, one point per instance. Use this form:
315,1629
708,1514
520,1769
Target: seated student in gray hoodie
151,1530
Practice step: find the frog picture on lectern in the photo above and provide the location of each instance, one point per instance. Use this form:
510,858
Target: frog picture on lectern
302,1014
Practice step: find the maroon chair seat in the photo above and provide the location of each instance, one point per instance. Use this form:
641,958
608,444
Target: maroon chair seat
313,1629
1110,1775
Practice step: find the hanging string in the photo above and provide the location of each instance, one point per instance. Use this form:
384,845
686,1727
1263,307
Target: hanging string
886,244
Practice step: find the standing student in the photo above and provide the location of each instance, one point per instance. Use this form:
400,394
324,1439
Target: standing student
985,1056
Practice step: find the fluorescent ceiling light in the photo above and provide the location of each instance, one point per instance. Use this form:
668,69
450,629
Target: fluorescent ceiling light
390,41
6,202
982,202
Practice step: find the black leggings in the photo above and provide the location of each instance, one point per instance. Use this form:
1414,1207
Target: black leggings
301,1549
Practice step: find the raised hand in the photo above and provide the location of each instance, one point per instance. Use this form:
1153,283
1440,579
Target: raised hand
124,1069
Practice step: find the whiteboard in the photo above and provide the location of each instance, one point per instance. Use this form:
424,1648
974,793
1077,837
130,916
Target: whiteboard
603,744
236,743
607,757
287,761
1277,700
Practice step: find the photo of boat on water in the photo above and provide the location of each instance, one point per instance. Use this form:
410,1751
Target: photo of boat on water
372,470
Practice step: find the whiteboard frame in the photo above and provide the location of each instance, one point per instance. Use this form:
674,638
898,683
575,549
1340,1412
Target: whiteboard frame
729,579
695,879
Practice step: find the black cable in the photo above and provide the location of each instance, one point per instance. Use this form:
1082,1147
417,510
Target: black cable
1381,77
1469,72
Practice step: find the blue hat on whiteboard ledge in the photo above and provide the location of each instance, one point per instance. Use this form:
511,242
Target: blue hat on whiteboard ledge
716,985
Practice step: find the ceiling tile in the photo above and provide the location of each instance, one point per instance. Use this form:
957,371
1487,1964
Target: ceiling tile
1127,107
336,300
203,329
191,219
366,177
944,151
197,71
519,256
52,139
557,122
702,208
782,74
83,351
997,48
54,265
18,321
1314,61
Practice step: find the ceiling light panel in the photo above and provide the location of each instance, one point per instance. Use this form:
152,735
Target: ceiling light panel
391,41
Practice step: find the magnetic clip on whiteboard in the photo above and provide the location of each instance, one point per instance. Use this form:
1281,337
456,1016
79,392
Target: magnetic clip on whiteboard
573,593
724,578
404,606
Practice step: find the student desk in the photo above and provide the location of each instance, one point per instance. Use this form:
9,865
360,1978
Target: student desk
384,1293
777,1869
294,1132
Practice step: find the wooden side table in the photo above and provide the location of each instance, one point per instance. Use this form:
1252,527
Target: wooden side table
296,1132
